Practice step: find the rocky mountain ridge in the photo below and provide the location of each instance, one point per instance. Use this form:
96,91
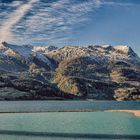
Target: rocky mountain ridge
72,72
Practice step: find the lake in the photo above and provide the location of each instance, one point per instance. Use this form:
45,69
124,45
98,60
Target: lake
68,125
43,106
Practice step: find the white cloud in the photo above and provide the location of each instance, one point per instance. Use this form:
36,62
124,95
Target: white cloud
117,3
47,20
13,19
61,17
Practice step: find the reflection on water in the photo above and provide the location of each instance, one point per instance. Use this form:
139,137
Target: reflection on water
42,106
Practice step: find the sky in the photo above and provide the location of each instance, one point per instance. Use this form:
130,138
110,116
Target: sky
71,22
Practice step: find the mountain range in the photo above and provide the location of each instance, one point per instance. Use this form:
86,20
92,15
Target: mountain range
99,72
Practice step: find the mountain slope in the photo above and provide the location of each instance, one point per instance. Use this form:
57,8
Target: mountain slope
91,72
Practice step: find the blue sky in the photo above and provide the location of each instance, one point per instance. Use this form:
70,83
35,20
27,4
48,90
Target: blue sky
71,22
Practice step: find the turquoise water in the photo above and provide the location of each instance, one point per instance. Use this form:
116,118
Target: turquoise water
69,126
42,106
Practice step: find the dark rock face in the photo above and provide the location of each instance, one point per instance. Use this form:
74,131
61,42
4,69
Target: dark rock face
93,72
28,89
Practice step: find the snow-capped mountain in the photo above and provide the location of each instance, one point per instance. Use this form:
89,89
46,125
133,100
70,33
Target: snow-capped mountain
95,71
13,50
102,54
25,54
99,53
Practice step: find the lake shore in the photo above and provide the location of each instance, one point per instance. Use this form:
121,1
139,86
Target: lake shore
134,112
66,106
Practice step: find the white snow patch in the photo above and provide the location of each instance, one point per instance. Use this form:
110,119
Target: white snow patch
106,46
122,48
39,48
44,48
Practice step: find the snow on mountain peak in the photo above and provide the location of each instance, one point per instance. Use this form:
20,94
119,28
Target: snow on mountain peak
106,46
39,49
100,52
122,48
44,48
